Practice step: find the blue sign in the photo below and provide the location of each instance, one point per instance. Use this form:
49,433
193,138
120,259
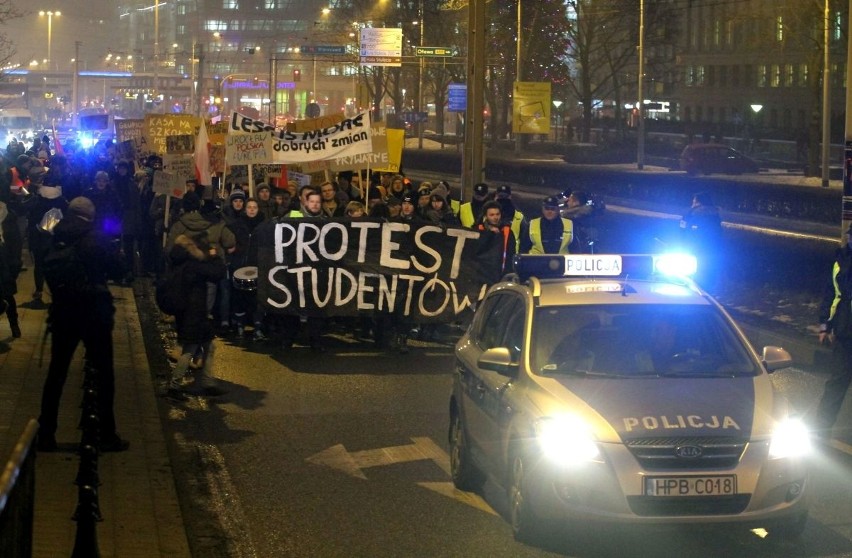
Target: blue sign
457,97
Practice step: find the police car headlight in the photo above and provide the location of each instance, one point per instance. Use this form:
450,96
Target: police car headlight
566,440
790,439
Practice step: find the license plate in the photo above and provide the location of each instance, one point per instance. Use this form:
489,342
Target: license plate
717,485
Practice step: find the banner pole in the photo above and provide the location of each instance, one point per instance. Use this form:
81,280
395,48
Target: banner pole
251,180
166,219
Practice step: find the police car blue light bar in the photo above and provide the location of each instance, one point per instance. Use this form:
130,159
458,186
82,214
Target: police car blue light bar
604,265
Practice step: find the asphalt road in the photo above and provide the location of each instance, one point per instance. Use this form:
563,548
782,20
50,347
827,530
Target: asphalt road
345,453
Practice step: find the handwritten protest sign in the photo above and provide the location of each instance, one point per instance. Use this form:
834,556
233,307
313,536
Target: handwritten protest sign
159,126
164,183
181,167
395,141
132,130
247,149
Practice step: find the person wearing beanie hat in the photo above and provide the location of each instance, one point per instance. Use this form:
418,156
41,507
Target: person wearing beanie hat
265,205
81,310
548,234
83,208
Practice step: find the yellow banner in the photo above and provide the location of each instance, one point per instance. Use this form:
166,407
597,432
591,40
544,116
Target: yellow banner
159,126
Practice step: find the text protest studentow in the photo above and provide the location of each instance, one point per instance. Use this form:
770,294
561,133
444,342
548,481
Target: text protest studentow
348,268
252,141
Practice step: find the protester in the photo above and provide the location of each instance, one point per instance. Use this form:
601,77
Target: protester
470,212
198,265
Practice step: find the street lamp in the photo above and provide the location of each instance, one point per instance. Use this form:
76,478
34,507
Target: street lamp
49,14
557,103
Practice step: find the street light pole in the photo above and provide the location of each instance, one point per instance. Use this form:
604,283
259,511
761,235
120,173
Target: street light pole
49,15
420,124
640,128
826,97
515,109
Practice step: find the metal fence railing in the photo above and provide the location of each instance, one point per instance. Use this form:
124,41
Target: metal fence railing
17,496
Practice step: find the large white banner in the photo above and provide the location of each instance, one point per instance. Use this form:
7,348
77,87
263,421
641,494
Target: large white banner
351,136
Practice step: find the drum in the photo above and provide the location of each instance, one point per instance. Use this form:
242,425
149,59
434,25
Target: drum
245,278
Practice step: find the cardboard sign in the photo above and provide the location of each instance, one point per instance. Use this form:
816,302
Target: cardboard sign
248,149
160,126
181,167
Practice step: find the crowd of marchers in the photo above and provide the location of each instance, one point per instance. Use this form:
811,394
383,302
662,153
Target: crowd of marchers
203,244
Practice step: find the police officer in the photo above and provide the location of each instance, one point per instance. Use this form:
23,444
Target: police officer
470,212
835,316
548,234
86,316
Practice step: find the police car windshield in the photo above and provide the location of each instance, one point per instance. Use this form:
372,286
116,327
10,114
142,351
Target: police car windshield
638,340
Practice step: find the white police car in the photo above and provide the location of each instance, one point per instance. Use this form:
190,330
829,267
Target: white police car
617,391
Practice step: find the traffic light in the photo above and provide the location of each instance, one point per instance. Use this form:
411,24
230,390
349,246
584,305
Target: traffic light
297,75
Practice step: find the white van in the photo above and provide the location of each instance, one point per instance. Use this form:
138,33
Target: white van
17,123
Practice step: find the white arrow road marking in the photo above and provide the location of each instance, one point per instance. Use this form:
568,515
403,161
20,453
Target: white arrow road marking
351,463
447,489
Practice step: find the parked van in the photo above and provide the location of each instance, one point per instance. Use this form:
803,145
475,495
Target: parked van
17,123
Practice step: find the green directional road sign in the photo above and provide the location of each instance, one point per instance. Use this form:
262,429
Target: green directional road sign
322,49
434,51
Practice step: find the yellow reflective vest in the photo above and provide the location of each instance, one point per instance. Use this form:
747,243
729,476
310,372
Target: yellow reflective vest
536,239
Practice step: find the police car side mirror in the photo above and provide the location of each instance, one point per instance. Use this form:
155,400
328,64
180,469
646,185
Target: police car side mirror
498,359
776,358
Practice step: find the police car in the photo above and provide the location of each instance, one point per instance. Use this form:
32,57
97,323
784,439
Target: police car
610,388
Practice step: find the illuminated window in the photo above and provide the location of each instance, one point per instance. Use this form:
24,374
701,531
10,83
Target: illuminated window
231,4
775,77
762,74
836,27
699,76
779,28
717,32
803,75
729,32
789,75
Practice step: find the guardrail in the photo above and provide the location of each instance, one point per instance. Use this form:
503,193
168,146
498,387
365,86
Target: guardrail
17,496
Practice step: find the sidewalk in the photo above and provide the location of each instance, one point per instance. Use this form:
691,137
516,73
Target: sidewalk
137,496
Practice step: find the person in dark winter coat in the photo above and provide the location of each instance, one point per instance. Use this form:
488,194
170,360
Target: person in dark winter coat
84,314
701,228
835,330
245,305
10,265
108,204
47,197
198,263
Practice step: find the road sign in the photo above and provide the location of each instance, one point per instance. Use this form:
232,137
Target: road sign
434,51
322,49
457,97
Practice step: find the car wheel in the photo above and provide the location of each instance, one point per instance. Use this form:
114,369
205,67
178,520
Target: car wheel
526,526
466,475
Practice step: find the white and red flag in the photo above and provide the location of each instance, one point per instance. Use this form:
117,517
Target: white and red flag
201,157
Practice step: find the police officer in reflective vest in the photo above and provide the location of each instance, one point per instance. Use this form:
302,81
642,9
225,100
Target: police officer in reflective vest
835,316
470,212
548,234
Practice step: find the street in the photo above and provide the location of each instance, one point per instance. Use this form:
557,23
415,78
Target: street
345,453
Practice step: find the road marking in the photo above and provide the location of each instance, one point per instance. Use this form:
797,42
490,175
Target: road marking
337,457
471,499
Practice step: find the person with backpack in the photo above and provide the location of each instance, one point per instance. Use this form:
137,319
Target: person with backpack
195,263
77,267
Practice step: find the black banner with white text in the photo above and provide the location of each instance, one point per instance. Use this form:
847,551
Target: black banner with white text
347,268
